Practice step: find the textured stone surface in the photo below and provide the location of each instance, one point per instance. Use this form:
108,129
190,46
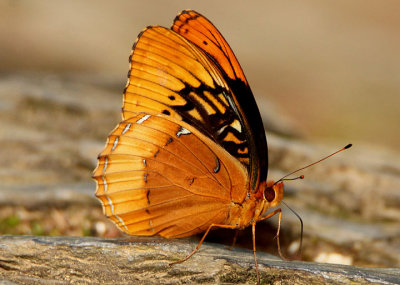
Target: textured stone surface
74,260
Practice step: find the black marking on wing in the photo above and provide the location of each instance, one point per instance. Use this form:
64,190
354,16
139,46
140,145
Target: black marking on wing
211,124
169,141
148,195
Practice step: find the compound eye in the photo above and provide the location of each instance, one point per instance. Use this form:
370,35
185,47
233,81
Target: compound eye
269,194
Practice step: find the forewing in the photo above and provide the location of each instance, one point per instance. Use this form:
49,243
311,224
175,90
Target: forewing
171,76
200,31
158,175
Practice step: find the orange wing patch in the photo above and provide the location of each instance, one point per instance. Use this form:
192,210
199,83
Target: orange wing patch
163,64
152,165
200,31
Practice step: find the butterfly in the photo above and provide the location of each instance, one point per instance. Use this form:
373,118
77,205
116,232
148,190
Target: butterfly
190,154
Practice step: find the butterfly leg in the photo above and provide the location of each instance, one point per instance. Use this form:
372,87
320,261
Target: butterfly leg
234,240
202,239
253,228
277,211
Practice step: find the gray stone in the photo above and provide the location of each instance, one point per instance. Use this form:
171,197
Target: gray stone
76,260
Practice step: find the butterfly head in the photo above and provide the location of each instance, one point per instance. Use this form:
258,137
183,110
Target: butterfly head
273,193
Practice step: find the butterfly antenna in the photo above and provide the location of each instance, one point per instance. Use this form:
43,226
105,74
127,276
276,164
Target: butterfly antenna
301,229
302,176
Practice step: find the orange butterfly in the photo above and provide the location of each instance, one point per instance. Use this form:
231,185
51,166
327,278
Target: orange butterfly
191,153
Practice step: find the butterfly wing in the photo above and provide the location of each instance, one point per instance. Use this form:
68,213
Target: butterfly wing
159,175
172,76
200,31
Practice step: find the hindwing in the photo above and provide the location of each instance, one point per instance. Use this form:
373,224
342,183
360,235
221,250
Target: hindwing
153,165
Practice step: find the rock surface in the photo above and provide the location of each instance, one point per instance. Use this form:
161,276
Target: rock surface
74,260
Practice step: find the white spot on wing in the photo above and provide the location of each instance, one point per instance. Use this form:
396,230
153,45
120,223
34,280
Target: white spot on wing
236,125
144,162
126,128
115,143
104,183
218,166
222,129
122,222
182,131
112,212
151,225
142,119
105,164
111,205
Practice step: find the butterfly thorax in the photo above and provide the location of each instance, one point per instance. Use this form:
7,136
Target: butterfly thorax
255,205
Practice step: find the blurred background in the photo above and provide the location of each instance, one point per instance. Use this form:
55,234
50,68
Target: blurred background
331,66
327,72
